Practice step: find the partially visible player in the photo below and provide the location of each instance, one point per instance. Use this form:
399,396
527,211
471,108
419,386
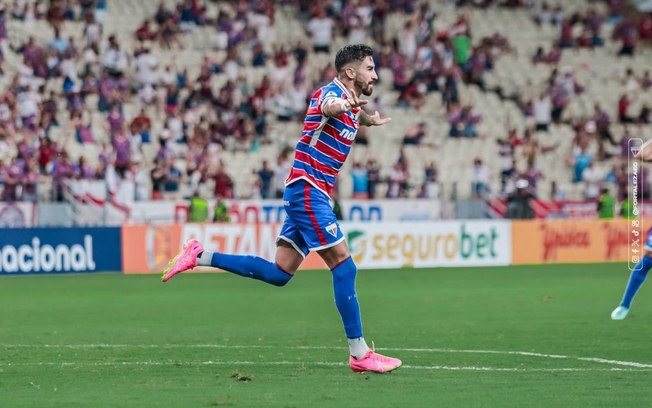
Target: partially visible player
330,127
636,279
639,273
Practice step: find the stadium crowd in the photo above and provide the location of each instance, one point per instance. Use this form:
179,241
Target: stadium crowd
98,90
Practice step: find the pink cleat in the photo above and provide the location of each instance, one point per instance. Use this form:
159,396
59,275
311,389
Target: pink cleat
185,260
374,362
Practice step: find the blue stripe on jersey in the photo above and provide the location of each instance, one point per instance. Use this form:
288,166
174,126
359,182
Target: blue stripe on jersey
312,118
319,156
334,143
298,164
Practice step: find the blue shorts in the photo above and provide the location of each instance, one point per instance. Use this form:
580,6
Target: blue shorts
310,224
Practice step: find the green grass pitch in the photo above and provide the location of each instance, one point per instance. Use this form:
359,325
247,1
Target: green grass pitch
468,337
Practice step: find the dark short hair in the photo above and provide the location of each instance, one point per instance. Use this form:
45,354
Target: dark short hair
350,53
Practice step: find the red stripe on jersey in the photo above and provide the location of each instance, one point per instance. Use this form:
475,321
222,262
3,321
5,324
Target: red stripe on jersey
334,133
308,126
315,164
346,119
296,174
313,111
330,152
311,213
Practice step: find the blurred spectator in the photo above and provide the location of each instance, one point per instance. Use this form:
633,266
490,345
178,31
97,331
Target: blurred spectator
592,177
360,178
30,182
481,177
62,171
198,208
223,183
581,161
320,29
221,212
542,112
430,187
606,205
415,134
158,177
173,180
518,203
281,172
144,32
462,121
644,115
373,177
397,181
623,110
266,177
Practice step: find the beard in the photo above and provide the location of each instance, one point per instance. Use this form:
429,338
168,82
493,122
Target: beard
367,88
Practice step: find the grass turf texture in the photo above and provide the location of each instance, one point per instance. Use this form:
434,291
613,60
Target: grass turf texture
212,340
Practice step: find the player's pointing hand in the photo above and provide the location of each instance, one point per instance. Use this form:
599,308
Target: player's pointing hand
355,101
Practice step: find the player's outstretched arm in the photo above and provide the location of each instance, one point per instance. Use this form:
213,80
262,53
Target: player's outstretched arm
336,106
372,120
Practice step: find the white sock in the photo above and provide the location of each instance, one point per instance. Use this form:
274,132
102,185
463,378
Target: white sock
205,258
358,347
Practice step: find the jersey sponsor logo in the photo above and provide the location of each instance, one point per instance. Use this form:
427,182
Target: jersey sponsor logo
330,94
347,134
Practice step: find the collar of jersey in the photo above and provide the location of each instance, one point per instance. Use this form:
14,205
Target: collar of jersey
342,87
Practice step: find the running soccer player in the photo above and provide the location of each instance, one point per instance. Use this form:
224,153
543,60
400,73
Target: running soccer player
329,129
639,273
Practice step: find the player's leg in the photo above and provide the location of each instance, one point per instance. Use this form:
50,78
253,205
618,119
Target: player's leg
311,212
636,279
339,261
289,256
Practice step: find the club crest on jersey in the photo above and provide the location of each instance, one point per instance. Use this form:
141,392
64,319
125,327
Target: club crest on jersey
332,229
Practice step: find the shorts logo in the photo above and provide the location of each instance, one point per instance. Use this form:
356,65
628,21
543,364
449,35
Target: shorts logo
332,229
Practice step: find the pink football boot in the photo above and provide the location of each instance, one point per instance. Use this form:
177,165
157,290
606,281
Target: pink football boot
185,260
374,362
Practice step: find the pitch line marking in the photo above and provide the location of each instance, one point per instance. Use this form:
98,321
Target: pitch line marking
254,346
314,363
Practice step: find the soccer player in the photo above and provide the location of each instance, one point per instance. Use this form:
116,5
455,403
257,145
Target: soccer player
639,273
329,130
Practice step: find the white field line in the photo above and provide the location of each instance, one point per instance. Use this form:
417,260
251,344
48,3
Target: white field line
304,364
254,346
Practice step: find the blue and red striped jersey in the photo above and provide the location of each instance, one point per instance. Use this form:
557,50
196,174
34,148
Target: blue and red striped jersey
325,141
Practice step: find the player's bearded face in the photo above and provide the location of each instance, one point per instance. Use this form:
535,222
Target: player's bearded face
365,84
366,76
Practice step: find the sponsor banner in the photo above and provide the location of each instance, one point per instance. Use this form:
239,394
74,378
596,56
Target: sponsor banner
567,209
59,250
89,206
17,214
391,210
148,248
445,243
272,211
569,241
